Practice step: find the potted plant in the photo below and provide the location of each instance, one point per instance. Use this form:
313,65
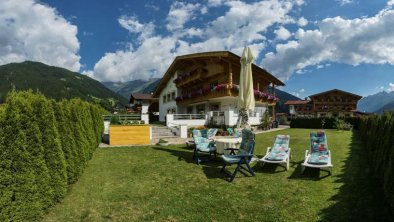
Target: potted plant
162,142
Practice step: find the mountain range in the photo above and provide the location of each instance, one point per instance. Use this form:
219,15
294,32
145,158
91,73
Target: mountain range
377,103
55,82
126,88
59,83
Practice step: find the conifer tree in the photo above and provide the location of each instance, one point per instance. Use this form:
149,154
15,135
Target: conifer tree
29,190
54,156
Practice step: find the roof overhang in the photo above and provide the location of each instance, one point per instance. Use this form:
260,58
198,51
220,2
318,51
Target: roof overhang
225,55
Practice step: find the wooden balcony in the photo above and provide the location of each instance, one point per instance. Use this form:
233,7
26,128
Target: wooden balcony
195,76
217,94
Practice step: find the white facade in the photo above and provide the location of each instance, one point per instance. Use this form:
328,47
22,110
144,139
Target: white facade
167,103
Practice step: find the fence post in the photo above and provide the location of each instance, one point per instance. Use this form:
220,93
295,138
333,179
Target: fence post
170,119
183,131
145,118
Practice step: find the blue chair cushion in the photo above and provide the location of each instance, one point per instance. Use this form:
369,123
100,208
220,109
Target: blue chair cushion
318,159
231,158
277,153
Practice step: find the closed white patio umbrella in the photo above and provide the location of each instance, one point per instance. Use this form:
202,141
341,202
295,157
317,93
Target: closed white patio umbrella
246,99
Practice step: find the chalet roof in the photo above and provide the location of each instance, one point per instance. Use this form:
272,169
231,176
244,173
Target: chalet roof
206,55
297,102
336,90
142,96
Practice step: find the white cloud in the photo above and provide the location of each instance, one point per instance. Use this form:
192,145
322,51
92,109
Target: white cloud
302,90
134,26
180,13
350,41
32,31
89,73
240,24
152,6
282,33
391,87
215,3
302,21
345,2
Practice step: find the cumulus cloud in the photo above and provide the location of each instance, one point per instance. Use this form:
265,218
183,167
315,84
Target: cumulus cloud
215,3
282,33
302,21
134,26
180,13
241,24
350,41
32,31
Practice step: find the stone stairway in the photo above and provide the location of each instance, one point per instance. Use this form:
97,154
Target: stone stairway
162,132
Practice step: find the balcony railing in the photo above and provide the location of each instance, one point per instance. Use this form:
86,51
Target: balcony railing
188,116
222,90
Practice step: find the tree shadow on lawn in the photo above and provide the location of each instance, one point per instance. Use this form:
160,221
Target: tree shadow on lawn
361,197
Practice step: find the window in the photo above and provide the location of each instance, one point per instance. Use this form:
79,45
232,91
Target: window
168,97
173,96
200,109
164,99
214,107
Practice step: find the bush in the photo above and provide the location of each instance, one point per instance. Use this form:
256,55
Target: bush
377,134
325,123
340,124
41,152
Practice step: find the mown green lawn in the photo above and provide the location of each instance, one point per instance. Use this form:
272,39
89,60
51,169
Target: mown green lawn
164,184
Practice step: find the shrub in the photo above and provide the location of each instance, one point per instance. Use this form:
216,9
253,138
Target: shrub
25,187
323,123
340,124
377,134
41,151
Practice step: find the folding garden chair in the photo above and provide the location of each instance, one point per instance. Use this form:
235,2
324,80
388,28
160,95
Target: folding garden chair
242,156
318,156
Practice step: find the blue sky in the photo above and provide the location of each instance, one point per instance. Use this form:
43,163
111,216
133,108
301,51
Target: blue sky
310,45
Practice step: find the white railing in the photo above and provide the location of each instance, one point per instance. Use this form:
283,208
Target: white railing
217,113
187,119
189,116
217,117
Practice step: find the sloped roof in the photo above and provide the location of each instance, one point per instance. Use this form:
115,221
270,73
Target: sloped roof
336,90
297,102
221,54
143,96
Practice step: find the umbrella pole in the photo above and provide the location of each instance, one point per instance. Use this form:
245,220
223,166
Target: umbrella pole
243,119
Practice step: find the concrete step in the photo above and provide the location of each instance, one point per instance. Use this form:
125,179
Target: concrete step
158,135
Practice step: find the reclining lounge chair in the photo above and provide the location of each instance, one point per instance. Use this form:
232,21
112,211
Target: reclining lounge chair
319,156
279,153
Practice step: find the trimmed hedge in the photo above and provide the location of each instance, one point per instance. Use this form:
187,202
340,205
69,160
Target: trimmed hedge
44,147
316,123
377,133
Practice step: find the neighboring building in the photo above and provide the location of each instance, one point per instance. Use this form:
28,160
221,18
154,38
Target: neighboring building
140,102
332,103
205,86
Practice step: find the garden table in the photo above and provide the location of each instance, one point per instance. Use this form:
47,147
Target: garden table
224,143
